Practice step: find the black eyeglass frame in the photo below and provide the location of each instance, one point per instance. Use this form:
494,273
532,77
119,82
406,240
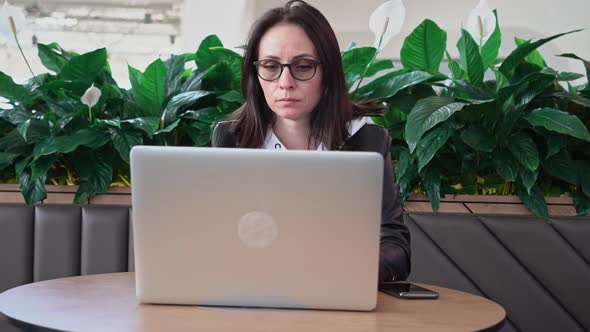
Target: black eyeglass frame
283,65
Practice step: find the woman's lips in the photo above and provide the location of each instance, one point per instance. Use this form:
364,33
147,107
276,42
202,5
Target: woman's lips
287,101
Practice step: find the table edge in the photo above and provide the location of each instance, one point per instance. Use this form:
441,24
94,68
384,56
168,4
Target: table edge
27,326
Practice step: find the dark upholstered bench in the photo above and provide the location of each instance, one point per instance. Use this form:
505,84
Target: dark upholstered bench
538,271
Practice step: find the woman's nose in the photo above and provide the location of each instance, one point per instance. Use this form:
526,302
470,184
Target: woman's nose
286,80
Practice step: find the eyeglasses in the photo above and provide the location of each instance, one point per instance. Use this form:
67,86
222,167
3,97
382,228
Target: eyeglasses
301,69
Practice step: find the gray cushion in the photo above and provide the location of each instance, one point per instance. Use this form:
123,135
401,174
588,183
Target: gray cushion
523,263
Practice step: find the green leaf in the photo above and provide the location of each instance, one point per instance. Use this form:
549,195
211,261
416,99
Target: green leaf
41,166
207,115
478,138
471,61
501,80
174,73
32,190
7,158
52,56
200,133
577,99
168,128
424,48
148,88
533,200
561,167
559,121
582,203
521,52
567,76
115,122
212,54
148,124
388,85
378,66
19,115
23,128
534,57
523,148
405,170
467,91
431,143
13,91
12,140
585,62
431,179
203,58
186,99
233,96
528,178
219,78
22,164
124,140
85,67
96,173
171,114
426,114
455,68
571,89
527,89
555,142
506,165
490,50
68,143
194,81
355,63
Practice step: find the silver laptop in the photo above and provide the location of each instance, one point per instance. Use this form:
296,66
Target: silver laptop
256,228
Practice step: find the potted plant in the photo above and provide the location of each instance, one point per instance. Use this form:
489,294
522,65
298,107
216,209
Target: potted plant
521,133
76,126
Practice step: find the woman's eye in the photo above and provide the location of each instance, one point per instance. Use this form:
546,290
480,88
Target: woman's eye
303,68
270,66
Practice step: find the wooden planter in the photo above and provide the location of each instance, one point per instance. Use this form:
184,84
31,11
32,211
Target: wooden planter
557,206
10,193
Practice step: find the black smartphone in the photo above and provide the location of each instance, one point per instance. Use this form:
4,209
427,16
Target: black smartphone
407,290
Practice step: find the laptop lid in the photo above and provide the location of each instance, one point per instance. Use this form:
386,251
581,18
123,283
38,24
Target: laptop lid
247,227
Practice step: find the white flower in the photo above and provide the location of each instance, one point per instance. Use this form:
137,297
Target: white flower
481,22
18,19
91,96
387,21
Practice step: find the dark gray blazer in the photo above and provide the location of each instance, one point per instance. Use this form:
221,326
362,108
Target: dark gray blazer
394,262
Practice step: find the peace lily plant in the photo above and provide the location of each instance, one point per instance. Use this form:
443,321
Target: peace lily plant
524,132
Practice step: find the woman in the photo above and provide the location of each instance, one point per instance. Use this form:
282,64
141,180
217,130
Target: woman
296,98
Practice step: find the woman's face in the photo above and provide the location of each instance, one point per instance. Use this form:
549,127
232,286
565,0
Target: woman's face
286,96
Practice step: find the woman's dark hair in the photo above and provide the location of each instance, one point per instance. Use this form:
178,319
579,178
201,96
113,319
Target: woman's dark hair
335,109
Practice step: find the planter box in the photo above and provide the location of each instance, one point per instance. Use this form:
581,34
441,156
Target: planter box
10,193
481,204
557,206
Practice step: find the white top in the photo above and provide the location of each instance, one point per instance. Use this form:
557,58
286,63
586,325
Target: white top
272,141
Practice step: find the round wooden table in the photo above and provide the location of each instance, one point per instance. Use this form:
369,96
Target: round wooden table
106,302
